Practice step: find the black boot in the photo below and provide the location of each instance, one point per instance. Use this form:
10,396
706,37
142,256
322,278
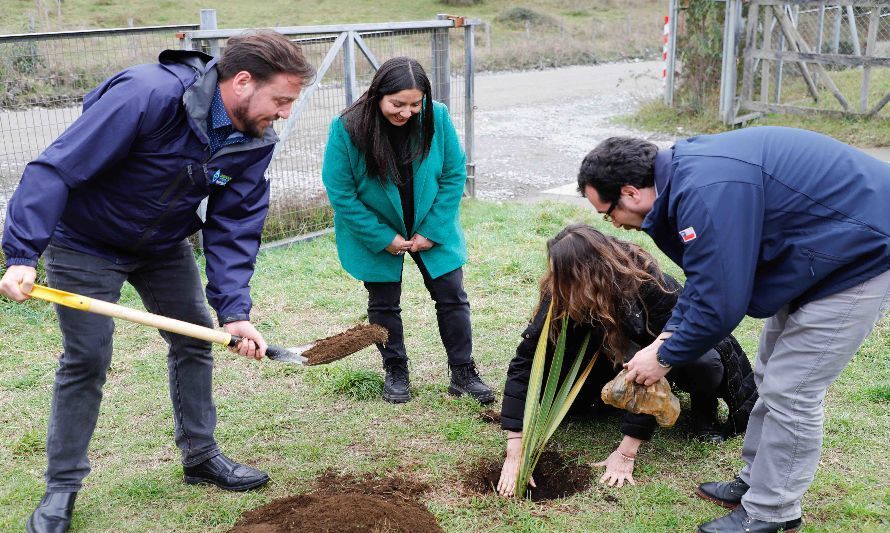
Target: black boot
225,473
465,380
396,383
705,426
53,514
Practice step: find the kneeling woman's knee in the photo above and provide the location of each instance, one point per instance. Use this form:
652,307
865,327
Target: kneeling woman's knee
704,374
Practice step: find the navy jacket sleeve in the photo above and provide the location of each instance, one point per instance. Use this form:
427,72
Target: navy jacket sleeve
719,263
232,232
101,136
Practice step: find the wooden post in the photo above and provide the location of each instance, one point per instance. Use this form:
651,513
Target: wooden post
765,71
873,22
750,46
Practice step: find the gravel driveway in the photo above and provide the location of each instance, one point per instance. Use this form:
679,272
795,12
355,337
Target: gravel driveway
534,128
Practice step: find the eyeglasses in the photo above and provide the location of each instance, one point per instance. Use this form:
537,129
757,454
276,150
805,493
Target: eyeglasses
607,216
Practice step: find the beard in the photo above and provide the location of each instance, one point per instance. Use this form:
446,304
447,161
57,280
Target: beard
251,126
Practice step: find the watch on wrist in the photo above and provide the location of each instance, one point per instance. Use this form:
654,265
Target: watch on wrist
661,362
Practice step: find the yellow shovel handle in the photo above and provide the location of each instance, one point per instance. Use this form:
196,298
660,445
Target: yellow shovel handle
85,303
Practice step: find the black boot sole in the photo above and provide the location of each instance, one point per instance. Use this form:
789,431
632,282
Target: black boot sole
722,503
193,480
393,398
457,391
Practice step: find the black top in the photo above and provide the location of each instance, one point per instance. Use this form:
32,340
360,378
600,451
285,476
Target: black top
736,387
401,143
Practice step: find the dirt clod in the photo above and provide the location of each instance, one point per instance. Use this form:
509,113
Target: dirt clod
340,345
555,476
347,504
490,415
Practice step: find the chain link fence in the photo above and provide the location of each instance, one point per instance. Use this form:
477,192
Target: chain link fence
44,77
347,57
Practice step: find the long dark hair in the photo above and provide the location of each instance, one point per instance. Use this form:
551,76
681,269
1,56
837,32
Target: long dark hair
596,279
367,126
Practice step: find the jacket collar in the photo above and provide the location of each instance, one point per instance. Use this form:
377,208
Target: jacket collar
663,172
199,89
663,169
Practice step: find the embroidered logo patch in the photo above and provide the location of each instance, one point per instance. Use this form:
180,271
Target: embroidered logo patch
688,234
220,179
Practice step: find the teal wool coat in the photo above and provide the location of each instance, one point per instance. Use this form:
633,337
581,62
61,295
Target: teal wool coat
368,213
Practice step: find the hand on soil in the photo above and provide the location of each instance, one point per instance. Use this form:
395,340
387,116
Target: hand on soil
617,470
252,343
17,282
510,470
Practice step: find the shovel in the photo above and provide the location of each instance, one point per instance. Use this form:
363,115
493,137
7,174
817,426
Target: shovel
84,303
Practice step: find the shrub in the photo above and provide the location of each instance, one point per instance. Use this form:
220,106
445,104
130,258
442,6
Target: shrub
518,17
460,3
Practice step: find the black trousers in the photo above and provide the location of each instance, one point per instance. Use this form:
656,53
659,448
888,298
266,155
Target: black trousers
452,314
169,284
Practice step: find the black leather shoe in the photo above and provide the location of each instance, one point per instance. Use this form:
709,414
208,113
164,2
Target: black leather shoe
225,474
738,521
724,493
396,383
465,380
53,514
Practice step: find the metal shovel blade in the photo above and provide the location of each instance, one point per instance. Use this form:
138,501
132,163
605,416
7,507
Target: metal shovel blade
288,355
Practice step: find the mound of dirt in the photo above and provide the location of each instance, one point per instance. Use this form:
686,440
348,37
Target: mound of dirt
490,415
340,345
345,504
555,477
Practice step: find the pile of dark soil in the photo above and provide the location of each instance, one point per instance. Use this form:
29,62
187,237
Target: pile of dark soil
345,504
340,345
490,415
555,477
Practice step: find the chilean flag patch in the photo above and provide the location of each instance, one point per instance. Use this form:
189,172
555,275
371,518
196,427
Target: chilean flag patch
688,234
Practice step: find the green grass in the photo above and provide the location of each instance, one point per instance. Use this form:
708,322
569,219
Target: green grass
296,423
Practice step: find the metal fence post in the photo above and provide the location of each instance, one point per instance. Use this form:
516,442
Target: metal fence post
730,52
208,22
349,68
670,68
441,64
469,98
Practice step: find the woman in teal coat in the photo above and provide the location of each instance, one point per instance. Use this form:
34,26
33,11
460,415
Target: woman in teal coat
394,172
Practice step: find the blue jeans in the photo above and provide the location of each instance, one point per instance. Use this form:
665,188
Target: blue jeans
169,285
800,355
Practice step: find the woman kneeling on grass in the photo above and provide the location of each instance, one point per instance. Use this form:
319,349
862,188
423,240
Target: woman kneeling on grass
395,172
616,291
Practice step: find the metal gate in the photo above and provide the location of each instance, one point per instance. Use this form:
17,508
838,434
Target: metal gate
347,56
43,78
806,56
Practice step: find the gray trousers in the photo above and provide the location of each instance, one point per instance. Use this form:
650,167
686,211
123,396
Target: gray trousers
169,285
800,355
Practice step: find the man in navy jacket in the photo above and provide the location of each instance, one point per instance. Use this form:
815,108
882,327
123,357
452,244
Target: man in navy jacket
770,222
113,200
